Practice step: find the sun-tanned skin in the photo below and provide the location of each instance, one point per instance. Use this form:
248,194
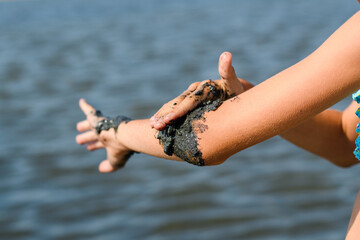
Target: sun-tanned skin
273,107
292,103
325,127
229,85
117,153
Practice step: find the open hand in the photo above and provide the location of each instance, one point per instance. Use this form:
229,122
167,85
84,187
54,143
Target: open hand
117,153
229,86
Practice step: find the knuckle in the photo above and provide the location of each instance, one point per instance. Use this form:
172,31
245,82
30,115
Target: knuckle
103,137
207,81
163,106
194,85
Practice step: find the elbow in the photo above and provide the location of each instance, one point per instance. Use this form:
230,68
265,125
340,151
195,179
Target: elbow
344,162
213,162
200,158
213,158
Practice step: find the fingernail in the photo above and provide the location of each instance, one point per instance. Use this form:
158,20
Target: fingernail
159,126
169,117
222,56
161,121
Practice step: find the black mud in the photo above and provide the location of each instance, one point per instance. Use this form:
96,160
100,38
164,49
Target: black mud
109,122
179,138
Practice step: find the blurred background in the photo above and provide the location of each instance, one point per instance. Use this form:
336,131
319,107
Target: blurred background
129,57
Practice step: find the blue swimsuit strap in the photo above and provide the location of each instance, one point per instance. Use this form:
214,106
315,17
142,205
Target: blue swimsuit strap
356,97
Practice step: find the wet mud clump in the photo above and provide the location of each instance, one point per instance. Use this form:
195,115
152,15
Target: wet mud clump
109,122
179,138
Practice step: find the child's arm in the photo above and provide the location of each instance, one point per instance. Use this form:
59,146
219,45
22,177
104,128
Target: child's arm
330,134
282,102
325,77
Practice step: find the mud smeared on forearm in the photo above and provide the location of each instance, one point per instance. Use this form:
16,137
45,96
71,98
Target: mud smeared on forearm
180,139
109,122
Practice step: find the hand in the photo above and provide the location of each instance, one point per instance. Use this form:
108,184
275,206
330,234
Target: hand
117,153
229,86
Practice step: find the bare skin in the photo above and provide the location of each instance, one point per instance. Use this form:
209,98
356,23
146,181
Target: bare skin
353,231
273,107
292,103
326,130
117,151
229,85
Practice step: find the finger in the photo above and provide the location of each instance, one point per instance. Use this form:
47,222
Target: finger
157,121
203,93
83,126
112,163
89,111
95,145
153,121
86,137
231,84
226,69
173,104
186,105
86,108
159,124
106,167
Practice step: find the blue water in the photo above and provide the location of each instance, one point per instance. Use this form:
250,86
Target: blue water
129,57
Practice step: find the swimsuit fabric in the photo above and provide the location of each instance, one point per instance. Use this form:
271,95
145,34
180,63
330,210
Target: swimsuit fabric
356,97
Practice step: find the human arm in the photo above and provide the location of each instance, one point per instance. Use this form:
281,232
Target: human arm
229,85
302,91
296,94
120,141
330,134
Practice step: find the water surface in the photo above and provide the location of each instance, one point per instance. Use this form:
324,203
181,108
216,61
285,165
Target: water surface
129,57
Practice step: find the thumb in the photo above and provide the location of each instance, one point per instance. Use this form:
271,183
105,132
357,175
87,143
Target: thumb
227,73
226,69
110,164
106,167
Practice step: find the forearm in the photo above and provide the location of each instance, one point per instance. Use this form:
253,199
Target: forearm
325,135
138,136
284,101
274,106
322,135
329,134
